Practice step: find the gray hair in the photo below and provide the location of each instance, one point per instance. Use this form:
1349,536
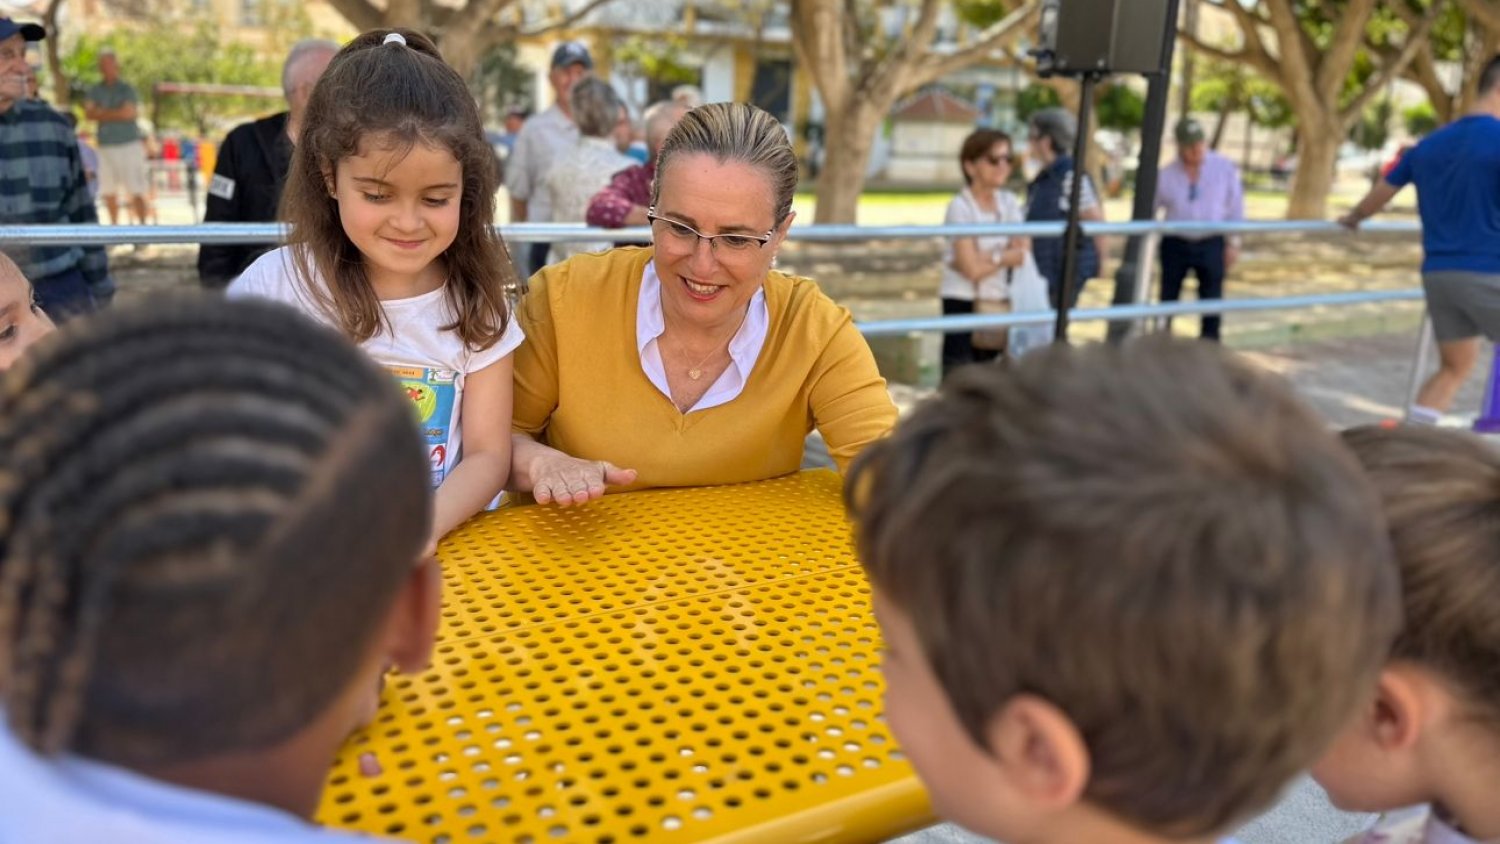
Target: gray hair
596,107
735,132
300,52
1057,125
659,119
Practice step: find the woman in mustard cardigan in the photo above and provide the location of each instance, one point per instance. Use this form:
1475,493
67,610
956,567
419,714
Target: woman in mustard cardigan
691,362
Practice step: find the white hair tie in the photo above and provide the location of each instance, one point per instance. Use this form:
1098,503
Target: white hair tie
394,38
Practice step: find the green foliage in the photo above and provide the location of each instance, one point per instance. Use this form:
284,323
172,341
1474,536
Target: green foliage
1374,126
1121,108
500,83
1227,87
1033,99
196,55
983,14
657,58
1420,119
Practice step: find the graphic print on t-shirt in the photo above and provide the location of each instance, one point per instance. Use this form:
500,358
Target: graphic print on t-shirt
433,394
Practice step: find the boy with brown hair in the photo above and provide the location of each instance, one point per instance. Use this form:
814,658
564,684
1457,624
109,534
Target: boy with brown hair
1127,593
1428,736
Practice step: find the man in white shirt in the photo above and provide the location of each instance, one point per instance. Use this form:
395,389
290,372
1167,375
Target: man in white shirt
540,141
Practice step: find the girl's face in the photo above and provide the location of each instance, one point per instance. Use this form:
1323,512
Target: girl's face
401,209
21,319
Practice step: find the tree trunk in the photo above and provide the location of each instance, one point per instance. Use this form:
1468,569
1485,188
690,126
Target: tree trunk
62,94
461,49
847,142
1317,156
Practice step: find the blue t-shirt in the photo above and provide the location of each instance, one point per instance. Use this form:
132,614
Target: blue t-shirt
1457,174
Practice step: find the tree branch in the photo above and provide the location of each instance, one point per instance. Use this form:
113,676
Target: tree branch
561,23
1485,12
1294,64
1262,63
1395,62
362,14
997,36
818,38
1348,36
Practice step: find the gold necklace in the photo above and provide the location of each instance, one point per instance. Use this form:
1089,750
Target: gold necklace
696,372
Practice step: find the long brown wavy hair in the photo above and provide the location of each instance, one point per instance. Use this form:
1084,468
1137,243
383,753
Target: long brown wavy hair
402,95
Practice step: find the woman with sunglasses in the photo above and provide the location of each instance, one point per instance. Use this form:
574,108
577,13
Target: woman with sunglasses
976,269
691,362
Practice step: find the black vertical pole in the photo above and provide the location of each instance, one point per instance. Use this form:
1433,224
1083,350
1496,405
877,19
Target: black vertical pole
1153,127
1074,232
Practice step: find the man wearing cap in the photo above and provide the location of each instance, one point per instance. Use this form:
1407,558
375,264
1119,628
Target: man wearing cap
253,162
1049,142
1201,186
539,142
42,182
122,158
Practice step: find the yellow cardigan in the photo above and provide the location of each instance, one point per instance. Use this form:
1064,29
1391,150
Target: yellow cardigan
580,387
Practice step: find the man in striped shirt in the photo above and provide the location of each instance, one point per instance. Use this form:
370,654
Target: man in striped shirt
42,182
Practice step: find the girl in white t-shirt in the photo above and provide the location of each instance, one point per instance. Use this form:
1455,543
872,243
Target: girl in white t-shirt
391,198
976,267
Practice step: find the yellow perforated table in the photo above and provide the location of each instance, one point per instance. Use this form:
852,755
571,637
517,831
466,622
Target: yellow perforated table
669,665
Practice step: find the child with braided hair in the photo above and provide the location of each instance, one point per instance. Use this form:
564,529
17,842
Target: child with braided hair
391,201
22,321
212,517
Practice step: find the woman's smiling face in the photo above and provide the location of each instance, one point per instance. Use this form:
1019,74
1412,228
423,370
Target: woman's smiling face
712,284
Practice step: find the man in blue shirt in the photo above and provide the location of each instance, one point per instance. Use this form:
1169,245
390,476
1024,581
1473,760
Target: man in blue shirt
1457,174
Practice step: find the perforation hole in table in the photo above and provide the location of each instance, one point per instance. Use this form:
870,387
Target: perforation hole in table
753,705
506,570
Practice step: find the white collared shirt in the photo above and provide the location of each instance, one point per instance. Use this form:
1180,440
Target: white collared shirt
744,348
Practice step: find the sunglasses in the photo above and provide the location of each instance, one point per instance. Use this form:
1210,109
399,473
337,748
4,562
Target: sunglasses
1193,192
995,160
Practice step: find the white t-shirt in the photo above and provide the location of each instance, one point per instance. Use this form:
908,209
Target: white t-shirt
429,362
963,210
71,800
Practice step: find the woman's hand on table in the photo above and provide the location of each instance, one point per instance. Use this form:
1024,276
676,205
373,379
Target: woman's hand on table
559,479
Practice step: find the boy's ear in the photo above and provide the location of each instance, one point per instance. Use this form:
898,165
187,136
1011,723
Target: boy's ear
412,625
1399,708
1040,752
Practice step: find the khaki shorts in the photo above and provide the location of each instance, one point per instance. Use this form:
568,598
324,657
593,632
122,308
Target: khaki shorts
1463,304
122,169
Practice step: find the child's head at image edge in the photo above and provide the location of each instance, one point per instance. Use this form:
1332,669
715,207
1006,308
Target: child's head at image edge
1430,733
1127,592
211,521
22,321
393,173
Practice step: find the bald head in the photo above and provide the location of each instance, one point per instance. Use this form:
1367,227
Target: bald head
659,120
304,64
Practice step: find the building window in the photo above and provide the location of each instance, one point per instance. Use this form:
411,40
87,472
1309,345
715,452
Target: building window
252,13
772,88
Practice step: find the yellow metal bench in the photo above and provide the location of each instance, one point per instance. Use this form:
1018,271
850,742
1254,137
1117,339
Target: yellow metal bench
669,665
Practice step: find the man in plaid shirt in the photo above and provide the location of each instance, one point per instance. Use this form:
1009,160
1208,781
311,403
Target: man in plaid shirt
623,202
42,182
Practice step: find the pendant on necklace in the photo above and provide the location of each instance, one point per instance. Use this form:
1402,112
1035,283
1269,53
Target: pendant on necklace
695,374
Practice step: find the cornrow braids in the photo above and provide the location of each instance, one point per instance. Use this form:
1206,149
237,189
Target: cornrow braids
205,507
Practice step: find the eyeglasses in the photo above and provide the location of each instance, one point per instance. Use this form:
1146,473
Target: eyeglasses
683,235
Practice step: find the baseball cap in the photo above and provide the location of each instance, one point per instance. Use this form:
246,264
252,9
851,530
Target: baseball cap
1190,131
571,53
29,31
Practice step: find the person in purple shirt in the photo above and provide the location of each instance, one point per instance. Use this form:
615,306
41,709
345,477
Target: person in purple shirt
1200,186
1457,173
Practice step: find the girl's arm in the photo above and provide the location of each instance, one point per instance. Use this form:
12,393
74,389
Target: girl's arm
482,470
